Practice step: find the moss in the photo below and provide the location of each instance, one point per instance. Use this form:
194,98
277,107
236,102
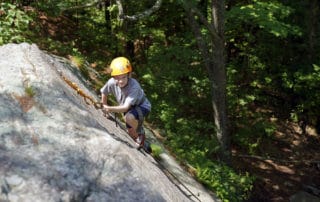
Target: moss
29,90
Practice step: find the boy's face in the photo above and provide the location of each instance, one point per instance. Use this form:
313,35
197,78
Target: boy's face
121,80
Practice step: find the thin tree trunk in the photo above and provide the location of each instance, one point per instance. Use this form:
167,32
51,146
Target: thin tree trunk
312,28
214,61
220,80
107,15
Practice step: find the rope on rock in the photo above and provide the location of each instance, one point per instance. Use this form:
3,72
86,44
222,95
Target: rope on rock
80,92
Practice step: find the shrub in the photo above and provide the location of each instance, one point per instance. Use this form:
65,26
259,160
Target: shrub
14,24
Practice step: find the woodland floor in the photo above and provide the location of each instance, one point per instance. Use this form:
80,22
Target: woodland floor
288,163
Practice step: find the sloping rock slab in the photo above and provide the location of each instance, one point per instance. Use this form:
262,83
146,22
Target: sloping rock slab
56,147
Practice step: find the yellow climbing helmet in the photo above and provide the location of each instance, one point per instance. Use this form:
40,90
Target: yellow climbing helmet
120,65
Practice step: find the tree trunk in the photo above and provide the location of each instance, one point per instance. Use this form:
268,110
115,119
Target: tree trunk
218,80
214,61
107,15
312,28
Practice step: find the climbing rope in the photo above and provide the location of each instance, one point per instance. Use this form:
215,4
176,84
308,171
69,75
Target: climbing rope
87,98
80,92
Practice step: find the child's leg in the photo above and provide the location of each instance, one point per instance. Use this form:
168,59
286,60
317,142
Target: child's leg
134,120
132,125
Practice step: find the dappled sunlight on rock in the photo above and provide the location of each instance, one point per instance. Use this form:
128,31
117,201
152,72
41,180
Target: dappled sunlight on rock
56,146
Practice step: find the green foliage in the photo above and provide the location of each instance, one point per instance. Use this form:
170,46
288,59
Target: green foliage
13,24
253,132
228,185
261,73
179,89
156,151
305,81
29,90
192,144
305,84
79,61
51,7
192,137
268,16
266,57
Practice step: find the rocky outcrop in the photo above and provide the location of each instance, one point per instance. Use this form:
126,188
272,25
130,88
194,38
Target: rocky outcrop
55,146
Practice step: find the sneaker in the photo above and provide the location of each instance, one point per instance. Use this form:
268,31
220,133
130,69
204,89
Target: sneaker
140,140
147,147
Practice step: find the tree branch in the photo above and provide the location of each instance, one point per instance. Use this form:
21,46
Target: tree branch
138,16
83,6
204,49
203,20
121,14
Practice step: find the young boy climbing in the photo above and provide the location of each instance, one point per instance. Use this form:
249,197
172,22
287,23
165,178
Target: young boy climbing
131,98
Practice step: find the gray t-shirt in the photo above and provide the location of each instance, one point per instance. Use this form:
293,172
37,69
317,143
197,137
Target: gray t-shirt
131,94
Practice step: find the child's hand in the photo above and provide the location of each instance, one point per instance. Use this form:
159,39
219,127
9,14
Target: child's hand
106,108
105,111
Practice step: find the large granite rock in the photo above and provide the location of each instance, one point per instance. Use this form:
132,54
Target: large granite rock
56,147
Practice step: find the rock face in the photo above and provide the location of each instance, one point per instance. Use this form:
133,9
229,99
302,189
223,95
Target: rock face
54,146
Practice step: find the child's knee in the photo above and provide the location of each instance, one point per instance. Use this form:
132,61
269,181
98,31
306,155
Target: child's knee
129,117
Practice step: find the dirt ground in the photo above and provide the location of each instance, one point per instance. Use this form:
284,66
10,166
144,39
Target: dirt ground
288,163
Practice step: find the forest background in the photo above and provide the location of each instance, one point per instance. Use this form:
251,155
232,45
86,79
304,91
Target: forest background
270,62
